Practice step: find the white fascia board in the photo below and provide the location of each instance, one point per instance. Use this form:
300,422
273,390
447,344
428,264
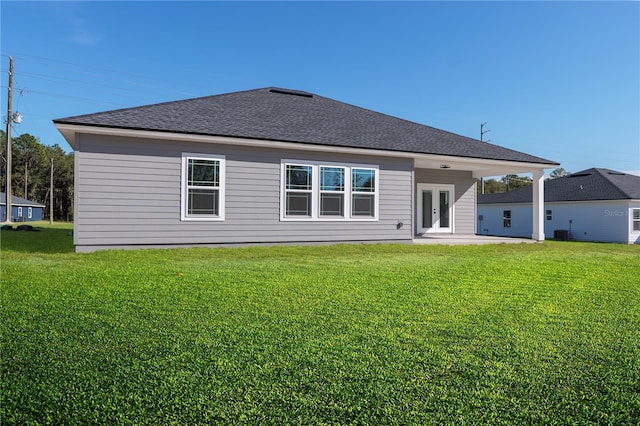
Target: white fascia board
479,166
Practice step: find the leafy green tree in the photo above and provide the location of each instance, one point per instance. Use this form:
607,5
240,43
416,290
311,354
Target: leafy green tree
31,174
62,183
492,186
558,173
515,181
29,158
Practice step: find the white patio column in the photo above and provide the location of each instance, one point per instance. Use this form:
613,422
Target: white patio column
538,205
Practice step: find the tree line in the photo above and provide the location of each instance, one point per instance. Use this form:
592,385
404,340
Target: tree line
510,182
31,174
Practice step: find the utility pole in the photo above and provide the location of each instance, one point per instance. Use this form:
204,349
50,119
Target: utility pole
51,198
9,120
482,132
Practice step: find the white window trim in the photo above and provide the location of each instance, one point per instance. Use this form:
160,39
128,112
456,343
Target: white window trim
352,192
186,156
315,197
631,220
29,212
505,218
343,193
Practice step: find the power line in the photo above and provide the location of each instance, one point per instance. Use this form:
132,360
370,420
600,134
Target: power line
126,87
77,98
119,73
86,83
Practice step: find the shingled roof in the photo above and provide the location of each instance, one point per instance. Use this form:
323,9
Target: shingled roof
275,114
588,185
18,201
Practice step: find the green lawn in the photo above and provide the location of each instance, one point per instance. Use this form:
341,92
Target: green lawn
346,334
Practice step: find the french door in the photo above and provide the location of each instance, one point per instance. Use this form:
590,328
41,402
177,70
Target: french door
435,208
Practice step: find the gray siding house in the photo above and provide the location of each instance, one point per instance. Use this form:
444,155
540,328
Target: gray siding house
591,205
274,166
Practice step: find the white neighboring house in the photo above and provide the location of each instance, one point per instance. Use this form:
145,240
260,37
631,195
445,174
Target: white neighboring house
591,205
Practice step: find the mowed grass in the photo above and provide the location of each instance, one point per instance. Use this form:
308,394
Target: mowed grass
345,334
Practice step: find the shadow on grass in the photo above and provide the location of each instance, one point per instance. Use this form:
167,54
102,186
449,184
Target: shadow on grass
38,240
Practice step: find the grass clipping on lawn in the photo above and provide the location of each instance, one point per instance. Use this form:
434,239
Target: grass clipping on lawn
345,334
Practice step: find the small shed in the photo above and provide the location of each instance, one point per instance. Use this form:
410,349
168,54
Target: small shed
22,210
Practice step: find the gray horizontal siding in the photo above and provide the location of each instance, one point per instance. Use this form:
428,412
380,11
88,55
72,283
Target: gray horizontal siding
128,193
465,195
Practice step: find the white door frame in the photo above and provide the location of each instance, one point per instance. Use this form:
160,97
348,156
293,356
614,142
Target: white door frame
435,188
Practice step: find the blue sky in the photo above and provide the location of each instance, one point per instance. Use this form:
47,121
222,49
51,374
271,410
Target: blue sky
560,80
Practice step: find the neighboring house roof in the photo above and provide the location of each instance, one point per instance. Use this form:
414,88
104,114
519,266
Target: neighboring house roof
588,185
274,114
17,201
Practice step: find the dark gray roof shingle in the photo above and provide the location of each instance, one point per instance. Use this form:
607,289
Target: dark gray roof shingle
18,201
295,116
588,185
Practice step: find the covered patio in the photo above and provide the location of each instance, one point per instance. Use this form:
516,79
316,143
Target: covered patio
455,179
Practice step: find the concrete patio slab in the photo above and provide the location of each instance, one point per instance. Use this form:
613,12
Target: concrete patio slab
468,239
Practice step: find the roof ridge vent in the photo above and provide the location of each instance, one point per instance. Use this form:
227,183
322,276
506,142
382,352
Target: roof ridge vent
616,173
291,92
580,174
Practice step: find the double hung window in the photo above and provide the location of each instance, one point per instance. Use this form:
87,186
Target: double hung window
635,218
363,188
331,191
299,189
319,191
506,219
202,187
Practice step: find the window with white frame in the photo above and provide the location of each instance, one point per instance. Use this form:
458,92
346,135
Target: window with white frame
635,218
320,191
30,212
506,219
363,188
549,214
202,187
19,211
298,190
332,191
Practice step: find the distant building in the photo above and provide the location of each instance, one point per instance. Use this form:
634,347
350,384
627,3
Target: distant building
591,205
21,210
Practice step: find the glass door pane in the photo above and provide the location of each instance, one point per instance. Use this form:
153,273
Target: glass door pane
444,209
427,206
